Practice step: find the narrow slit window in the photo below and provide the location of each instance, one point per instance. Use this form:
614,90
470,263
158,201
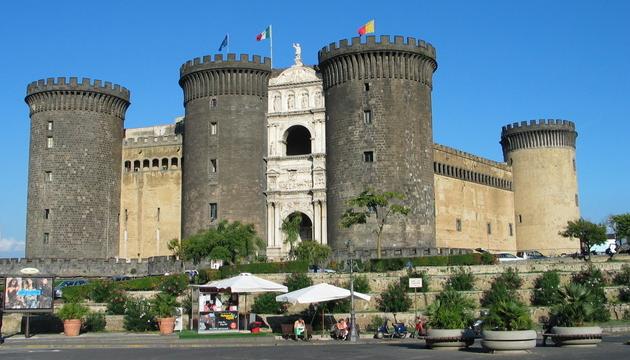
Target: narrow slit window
213,165
520,219
46,214
458,224
50,142
46,238
511,229
368,156
50,126
213,128
48,176
367,117
366,86
213,211
489,228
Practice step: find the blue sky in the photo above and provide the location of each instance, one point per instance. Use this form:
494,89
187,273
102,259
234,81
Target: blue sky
499,62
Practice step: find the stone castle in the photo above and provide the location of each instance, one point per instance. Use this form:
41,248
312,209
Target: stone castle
261,144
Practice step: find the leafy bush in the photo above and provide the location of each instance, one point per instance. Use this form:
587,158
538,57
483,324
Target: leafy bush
163,305
116,303
576,306
624,294
451,310
266,304
265,268
375,323
75,294
139,316
394,299
95,321
623,277
503,288
426,281
71,311
396,264
174,284
141,284
312,252
361,284
297,281
508,315
593,279
461,280
546,289
101,290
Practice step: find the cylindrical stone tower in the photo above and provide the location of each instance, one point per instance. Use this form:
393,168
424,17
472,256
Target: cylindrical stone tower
224,141
379,134
74,168
542,156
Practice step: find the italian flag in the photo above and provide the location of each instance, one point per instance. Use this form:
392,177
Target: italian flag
265,34
367,28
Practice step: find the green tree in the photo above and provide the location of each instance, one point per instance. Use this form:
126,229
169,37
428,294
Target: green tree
620,225
394,299
312,252
297,281
380,204
291,229
588,233
231,242
175,246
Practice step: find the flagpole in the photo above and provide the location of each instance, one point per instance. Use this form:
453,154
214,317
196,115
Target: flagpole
271,45
228,43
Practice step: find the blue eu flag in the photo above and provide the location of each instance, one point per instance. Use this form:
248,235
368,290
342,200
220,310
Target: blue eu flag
224,43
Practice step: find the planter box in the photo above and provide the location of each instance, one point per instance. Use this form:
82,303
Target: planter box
449,339
509,340
576,336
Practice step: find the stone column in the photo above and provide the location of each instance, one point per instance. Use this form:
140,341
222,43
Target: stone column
324,223
276,226
317,221
270,228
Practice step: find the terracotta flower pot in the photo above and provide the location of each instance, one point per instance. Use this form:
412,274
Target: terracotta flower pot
72,327
167,325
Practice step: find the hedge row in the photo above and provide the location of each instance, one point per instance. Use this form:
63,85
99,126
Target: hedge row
100,290
380,265
264,268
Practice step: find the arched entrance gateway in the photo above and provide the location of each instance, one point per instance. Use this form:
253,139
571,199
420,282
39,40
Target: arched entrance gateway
305,230
298,140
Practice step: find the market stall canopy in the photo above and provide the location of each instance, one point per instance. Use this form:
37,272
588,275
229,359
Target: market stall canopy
245,283
319,293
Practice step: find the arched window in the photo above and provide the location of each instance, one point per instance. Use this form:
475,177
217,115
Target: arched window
146,163
174,162
298,140
127,166
165,164
156,163
136,165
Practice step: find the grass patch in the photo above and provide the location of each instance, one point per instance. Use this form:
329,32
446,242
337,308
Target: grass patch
191,334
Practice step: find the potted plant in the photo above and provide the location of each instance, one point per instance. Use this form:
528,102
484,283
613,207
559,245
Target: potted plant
508,327
449,316
71,314
570,315
164,305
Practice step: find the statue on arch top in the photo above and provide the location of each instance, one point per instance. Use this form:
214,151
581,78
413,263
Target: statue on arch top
298,54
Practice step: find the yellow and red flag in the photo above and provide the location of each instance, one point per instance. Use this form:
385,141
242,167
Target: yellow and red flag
368,28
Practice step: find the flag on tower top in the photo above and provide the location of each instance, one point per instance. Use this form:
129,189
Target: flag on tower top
224,43
368,28
265,34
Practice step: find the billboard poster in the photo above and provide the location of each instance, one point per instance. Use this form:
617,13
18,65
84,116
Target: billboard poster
226,320
28,294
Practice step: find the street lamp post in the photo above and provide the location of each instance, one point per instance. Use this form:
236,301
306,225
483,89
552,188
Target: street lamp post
353,328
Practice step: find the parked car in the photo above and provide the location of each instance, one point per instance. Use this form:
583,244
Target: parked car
530,254
505,257
66,283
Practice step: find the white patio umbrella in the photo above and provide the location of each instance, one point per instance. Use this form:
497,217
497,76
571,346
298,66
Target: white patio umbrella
245,283
319,293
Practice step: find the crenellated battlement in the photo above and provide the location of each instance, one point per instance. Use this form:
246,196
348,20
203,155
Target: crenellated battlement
219,62
206,77
537,134
380,43
377,58
152,141
70,94
541,124
73,84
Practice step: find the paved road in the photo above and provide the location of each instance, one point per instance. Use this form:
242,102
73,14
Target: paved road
611,349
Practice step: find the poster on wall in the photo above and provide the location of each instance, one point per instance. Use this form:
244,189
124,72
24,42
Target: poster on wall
28,294
226,320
